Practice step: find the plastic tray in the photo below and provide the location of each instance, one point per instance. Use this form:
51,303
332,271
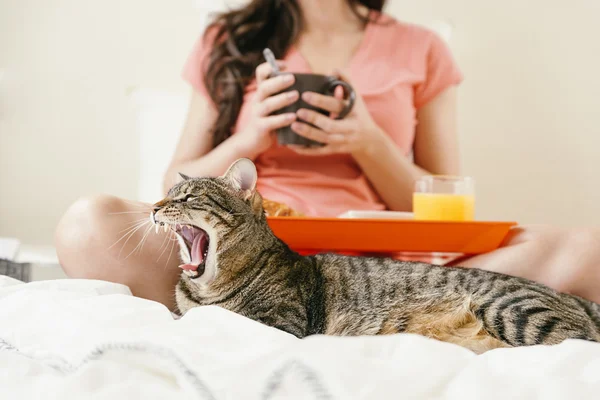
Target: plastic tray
388,235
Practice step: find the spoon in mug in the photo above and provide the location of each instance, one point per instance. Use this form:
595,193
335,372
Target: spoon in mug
270,57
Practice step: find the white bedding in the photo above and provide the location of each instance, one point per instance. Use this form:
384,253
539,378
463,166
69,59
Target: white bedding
74,339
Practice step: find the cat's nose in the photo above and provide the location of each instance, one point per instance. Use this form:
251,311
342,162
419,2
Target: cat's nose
155,208
159,205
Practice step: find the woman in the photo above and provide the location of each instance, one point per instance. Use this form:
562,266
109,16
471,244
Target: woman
405,79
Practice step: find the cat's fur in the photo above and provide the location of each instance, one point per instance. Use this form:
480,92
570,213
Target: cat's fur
251,272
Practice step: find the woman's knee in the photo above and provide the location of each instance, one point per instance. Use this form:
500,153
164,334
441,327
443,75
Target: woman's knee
575,257
582,246
585,240
575,245
82,226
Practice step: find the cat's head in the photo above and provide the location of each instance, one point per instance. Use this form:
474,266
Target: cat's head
209,214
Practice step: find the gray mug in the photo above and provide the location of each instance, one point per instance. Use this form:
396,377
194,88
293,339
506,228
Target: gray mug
322,84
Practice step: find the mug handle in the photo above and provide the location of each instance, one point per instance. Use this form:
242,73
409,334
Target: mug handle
348,93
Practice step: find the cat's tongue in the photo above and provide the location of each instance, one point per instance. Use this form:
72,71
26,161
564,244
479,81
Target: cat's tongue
199,247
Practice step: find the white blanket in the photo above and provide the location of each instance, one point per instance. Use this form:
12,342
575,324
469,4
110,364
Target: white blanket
75,339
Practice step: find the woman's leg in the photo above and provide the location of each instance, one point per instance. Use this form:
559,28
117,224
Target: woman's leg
566,260
101,238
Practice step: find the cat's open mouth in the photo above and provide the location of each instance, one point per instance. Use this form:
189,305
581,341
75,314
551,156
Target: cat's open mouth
196,242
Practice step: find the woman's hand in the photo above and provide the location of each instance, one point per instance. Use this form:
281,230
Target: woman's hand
258,134
356,134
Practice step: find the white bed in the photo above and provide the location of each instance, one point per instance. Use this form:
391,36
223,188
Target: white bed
73,339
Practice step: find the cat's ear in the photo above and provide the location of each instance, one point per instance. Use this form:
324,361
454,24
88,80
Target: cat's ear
182,177
242,176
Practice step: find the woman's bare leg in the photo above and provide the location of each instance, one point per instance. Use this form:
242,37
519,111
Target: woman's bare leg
101,238
567,260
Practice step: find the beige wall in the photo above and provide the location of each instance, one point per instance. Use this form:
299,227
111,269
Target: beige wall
67,128
529,104
527,108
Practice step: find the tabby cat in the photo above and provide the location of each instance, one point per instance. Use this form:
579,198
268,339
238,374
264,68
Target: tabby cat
233,260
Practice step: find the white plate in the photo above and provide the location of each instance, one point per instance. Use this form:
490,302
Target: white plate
377,215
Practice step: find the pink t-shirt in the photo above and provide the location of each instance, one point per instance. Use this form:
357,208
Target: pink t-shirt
397,69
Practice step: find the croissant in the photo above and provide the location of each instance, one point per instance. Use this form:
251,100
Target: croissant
275,209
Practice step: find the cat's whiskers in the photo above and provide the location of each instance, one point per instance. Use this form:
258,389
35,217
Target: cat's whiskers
138,204
132,224
170,251
161,246
129,232
131,235
128,212
140,245
165,244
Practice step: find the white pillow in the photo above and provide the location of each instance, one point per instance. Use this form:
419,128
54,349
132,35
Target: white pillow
160,116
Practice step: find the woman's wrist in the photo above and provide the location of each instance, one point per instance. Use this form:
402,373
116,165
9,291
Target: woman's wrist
381,148
378,140
242,147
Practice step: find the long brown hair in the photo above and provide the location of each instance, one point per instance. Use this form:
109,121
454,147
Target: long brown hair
241,36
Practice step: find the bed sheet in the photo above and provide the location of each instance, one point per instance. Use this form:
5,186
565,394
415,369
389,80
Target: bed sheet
74,339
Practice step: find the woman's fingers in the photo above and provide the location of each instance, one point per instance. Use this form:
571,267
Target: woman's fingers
315,134
323,122
338,93
273,85
274,103
328,103
264,70
276,121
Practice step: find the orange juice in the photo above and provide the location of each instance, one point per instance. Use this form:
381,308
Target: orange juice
443,207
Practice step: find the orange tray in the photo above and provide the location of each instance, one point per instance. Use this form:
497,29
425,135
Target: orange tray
388,236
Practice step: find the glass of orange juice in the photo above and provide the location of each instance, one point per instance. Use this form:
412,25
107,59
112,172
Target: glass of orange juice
444,198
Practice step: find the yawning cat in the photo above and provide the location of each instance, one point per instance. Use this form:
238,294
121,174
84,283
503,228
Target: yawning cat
232,259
